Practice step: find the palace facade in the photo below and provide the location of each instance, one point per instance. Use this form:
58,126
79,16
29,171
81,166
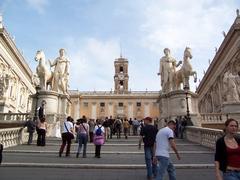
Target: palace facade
118,103
15,77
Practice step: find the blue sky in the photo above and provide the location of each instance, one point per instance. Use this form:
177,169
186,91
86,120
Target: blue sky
93,32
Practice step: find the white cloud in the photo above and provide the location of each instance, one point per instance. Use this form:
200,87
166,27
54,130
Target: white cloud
38,5
177,24
92,62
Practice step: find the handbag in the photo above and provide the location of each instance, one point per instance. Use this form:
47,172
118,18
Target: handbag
70,134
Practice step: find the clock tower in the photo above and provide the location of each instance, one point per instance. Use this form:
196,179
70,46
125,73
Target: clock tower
121,75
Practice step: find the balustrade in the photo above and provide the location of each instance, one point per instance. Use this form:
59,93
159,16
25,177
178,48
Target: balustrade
12,136
212,118
14,116
204,136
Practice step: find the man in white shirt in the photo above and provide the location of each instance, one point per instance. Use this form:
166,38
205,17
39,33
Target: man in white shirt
165,139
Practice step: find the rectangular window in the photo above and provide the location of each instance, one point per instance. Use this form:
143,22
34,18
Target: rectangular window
138,104
121,69
102,104
85,104
120,104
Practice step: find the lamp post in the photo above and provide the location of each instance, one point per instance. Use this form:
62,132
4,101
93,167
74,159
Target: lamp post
189,122
36,106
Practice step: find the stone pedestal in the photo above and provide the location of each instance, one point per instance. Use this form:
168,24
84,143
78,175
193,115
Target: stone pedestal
174,104
56,108
232,110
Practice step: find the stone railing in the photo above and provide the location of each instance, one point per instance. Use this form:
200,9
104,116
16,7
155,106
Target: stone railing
12,137
212,118
204,136
14,116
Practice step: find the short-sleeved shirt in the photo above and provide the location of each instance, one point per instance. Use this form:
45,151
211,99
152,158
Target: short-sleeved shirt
67,125
162,141
148,132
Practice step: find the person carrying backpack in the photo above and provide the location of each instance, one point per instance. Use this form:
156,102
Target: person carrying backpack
118,127
98,138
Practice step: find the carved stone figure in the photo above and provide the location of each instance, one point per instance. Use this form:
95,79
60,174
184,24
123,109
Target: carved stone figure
35,80
61,72
167,70
44,73
183,74
4,84
216,98
230,88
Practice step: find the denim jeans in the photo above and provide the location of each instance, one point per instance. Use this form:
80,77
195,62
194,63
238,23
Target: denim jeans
231,175
82,140
165,164
151,167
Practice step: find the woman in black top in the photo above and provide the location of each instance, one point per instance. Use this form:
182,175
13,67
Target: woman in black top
227,155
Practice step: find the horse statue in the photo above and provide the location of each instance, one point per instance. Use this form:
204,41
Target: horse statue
182,75
44,73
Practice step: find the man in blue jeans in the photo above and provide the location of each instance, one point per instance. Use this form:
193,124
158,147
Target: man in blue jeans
148,135
165,139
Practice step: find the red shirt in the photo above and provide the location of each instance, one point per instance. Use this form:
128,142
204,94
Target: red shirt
233,157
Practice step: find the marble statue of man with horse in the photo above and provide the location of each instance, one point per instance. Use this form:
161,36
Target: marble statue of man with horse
171,79
57,79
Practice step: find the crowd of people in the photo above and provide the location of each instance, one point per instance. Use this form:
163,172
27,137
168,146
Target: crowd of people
157,142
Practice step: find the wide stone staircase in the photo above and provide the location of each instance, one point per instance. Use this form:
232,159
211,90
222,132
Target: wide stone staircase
120,159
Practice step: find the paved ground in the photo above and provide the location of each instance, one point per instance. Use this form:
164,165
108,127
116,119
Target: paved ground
120,159
20,173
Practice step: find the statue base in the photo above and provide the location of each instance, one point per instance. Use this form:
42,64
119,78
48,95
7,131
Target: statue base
174,104
56,109
232,110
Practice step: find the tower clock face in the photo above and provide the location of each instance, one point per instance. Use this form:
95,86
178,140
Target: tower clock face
121,76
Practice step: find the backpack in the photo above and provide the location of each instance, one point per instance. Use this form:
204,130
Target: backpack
99,131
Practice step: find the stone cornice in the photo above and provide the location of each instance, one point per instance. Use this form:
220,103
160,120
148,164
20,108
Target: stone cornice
178,92
109,95
12,49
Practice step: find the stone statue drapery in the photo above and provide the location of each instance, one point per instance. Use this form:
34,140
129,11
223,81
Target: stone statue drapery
231,90
61,73
166,71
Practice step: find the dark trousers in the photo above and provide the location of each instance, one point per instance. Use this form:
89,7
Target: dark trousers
118,131
41,137
91,136
111,131
66,139
1,150
125,130
30,138
97,150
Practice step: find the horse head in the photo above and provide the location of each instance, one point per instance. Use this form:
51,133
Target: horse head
188,53
39,55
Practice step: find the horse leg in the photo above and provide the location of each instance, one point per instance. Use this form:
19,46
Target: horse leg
44,83
195,76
